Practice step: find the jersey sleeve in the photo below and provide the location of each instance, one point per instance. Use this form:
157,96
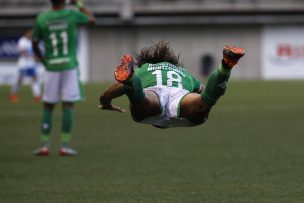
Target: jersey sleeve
80,18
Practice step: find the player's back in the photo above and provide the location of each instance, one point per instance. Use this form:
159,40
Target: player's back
166,74
58,30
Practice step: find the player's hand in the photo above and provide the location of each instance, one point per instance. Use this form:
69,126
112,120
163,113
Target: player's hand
111,108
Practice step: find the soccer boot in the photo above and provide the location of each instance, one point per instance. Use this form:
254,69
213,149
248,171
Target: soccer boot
125,70
232,54
67,151
42,151
14,98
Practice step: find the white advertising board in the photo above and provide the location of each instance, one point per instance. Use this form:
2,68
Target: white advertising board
283,52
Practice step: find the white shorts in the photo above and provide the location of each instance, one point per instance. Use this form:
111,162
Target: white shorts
169,98
61,86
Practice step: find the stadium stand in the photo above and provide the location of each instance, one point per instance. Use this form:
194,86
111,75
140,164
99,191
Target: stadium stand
132,9
161,11
22,7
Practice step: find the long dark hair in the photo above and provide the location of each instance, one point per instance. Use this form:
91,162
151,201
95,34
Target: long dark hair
157,53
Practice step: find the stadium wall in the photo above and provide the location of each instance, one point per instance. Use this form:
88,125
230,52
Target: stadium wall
271,31
273,51
108,44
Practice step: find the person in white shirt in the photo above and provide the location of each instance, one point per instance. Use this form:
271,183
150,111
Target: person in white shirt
27,67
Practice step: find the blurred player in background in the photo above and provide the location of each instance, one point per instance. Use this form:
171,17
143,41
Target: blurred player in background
164,94
27,67
57,28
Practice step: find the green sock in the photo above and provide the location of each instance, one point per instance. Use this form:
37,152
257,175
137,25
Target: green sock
216,85
134,90
46,125
65,139
66,125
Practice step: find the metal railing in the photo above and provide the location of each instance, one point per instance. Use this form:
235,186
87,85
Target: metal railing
125,7
219,3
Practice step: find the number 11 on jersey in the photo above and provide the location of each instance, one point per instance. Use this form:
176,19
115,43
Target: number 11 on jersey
54,38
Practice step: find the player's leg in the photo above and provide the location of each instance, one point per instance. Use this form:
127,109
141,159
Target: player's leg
50,98
16,86
143,104
150,106
66,129
218,80
70,93
35,86
46,127
196,107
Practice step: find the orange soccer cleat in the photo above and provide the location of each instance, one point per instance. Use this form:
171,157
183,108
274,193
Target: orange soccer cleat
125,70
232,54
14,98
37,99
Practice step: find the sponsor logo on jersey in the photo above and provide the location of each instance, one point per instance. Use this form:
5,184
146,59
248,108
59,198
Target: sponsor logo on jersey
166,67
57,25
59,60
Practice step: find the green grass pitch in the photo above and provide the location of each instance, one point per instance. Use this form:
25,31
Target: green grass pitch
250,150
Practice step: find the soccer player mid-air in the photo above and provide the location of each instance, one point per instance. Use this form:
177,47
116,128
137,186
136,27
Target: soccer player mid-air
57,28
162,93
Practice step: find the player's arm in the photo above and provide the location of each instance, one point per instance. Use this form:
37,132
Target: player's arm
114,91
37,51
83,9
36,37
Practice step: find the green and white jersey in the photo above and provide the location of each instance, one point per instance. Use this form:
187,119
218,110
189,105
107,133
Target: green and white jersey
58,30
167,74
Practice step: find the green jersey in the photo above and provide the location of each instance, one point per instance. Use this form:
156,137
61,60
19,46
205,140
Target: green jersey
167,74
58,30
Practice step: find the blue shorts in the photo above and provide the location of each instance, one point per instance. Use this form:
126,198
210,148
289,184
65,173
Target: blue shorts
30,72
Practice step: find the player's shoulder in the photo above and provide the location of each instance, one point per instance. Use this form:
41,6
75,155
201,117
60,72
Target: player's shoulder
43,15
72,12
145,65
23,40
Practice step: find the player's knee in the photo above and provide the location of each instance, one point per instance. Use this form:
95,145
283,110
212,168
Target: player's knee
49,106
200,114
198,120
137,113
136,118
67,105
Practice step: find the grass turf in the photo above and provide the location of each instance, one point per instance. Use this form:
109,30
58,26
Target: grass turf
250,150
